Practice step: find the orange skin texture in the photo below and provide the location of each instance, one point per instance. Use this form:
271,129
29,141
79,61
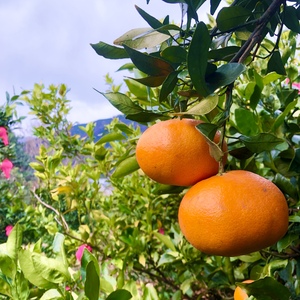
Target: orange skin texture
239,293
233,214
175,152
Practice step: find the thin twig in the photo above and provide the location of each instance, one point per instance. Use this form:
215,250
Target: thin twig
65,224
257,35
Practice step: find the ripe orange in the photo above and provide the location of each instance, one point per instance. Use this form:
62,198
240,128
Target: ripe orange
239,293
233,214
175,152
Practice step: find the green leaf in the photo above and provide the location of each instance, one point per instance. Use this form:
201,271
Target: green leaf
230,17
119,295
246,121
214,5
110,137
267,288
92,282
208,130
174,54
30,273
280,119
59,249
224,75
126,167
275,64
291,19
223,54
88,257
14,242
151,81
146,116
148,64
50,269
21,290
197,58
261,142
5,288
205,106
168,85
7,265
253,93
141,38
165,239
153,22
123,103
52,294
108,51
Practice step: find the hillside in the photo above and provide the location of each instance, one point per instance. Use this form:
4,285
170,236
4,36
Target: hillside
32,144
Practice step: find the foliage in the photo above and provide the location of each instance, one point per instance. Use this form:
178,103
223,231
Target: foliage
231,73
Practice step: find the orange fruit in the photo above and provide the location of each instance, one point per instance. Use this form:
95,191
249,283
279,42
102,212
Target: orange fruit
233,214
175,152
239,293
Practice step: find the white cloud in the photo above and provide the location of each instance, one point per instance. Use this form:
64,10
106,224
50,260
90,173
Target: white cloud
49,42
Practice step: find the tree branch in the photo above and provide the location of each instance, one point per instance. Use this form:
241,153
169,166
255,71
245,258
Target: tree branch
257,35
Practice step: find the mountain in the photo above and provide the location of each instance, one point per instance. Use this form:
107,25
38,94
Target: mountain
100,125
32,144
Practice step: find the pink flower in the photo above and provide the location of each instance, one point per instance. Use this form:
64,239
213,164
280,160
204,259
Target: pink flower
161,230
80,250
8,229
6,167
3,135
297,86
68,288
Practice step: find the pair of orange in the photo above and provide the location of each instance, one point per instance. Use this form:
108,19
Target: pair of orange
227,214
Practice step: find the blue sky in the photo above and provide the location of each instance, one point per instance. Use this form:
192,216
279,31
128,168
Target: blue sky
49,42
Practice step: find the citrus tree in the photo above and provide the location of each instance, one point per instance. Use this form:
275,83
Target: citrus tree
239,75
105,230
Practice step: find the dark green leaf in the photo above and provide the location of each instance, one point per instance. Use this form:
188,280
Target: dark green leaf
119,295
223,54
230,17
252,93
126,167
291,19
151,81
295,164
123,103
162,189
92,282
275,64
168,85
153,22
280,119
197,58
286,185
88,257
214,5
267,288
148,64
174,54
261,142
146,116
108,51
241,153
208,130
225,75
